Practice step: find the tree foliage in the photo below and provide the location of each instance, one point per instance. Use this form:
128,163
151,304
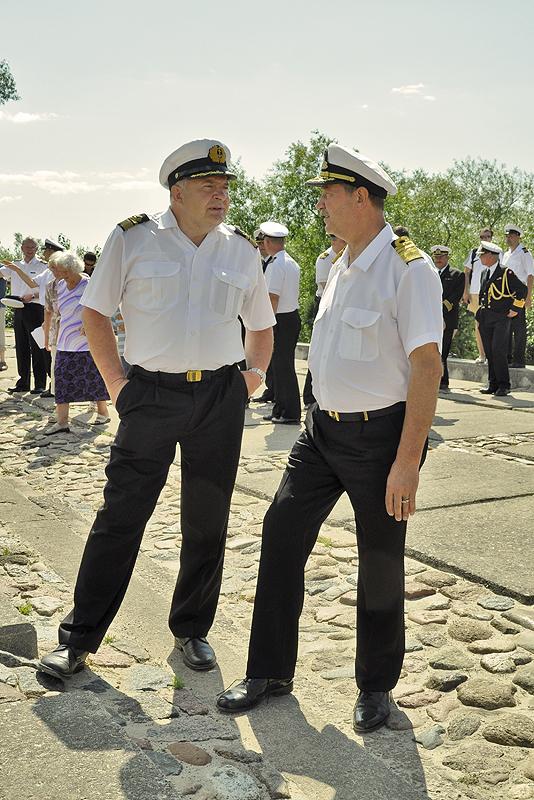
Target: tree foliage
441,208
8,88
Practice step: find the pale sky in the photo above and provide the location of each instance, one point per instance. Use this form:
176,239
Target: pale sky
109,89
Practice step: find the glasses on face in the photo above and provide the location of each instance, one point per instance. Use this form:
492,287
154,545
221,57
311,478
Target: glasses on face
89,263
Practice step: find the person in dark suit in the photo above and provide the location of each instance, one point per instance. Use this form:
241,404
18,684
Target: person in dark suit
452,281
502,297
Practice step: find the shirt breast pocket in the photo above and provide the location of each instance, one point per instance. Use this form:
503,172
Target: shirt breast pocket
358,339
154,285
227,291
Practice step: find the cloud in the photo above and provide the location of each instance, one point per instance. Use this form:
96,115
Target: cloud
365,105
23,118
10,198
71,183
411,88
429,97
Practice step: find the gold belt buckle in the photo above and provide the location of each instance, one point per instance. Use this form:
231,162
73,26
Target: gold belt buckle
334,415
193,375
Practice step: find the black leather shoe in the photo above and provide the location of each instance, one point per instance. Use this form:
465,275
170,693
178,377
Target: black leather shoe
197,653
515,365
252,691
38,390
487,390
268,417
63,662
47,393
371,711
262,399
17,389
501,392
284,421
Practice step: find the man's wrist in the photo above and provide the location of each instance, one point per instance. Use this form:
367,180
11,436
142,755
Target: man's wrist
259,372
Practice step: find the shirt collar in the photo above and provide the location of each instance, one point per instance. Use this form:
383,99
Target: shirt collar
366,258
167,220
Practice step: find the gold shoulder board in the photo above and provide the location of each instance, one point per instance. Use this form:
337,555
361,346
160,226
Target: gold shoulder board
128,223
244,235
324,255
406,249
525,249
338,256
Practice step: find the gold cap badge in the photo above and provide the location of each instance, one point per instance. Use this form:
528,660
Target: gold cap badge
217,154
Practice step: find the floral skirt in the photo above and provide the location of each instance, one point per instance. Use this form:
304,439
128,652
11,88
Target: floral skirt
77,378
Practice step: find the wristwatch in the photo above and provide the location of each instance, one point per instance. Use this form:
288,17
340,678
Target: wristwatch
259,372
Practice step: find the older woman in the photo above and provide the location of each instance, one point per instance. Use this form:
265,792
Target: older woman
76,376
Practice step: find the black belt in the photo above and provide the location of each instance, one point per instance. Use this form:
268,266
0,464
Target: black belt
172,379
358,416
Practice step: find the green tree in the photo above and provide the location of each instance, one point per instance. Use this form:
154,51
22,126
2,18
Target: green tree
8,89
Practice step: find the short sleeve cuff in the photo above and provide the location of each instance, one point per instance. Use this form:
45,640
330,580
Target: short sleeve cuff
104,310
419,341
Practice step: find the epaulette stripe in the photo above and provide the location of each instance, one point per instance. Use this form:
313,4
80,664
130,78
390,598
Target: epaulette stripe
129,222
324,255
406,249
244,235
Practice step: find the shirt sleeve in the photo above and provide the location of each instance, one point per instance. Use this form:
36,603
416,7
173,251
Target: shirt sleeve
274,276
419,314
322,268
257,311
103,292
529,263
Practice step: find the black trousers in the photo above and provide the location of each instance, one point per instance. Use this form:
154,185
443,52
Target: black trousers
517,343
30,357
330,458
285,384
448,333
495,332
206,419
307,392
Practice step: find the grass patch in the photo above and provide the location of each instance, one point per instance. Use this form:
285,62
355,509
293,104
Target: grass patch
469,779
109,638
25,608
325,541
177,682
5,551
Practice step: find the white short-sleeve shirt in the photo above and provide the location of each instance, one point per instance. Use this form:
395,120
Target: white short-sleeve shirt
322,269
520,262
180,302
282,276
476,267
33,270
373,313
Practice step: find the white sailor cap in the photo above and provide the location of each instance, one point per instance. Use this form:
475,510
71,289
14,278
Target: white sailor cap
194,159
489,247
258,235
274,230
341,165
440,250
513,229
50,244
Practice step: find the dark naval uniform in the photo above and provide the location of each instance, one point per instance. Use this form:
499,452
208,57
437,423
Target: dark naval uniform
453,282
500,291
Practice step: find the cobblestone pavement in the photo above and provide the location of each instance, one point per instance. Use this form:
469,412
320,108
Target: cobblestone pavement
464,702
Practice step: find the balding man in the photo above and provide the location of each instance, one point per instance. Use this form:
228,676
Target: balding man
30,357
